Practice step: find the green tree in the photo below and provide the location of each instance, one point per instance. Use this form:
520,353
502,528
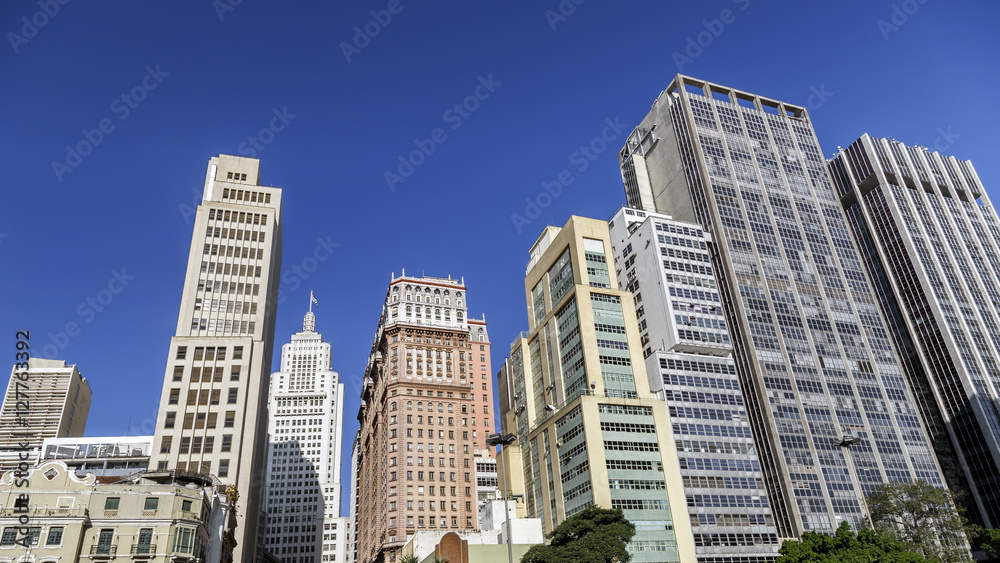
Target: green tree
989,542
595,535
924,518
409,559
846,547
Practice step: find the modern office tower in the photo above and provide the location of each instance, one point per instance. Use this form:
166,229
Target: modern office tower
55,404
930,239
213,408
829,405
665,265
426,408
305,419
589,429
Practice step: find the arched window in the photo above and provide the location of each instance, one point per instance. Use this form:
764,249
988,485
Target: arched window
482,337
420,406
392,406
409,405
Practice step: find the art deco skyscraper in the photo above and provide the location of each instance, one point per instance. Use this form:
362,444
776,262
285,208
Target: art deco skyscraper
589,430
305,419
930,239
213,408
686,345
426,408
830,408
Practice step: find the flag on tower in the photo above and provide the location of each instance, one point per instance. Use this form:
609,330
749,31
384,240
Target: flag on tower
312,298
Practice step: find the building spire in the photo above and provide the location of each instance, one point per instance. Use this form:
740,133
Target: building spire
309,322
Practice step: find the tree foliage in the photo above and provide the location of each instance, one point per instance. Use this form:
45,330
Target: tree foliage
846,547
924,518
989,542
595,535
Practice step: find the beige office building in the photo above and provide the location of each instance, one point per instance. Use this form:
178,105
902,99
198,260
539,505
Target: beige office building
53,516
58,402
213,408
589,429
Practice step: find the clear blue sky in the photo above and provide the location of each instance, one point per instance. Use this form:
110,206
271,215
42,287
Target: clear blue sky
207,84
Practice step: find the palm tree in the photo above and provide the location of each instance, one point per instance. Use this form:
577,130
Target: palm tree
409,559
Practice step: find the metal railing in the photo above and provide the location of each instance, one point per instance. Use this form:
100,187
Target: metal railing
143,549
102,550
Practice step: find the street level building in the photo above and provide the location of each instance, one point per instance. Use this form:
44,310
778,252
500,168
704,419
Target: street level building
589,429
213,408
426,409
930,240
682,327
828,402
305,425
156,517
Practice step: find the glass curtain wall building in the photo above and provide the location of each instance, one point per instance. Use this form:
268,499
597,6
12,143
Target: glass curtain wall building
815,361
930,238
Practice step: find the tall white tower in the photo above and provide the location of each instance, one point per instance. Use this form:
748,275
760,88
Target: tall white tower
305,423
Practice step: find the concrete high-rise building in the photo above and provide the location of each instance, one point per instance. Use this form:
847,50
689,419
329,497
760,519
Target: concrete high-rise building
682,327
828,402
305,423
930,239
589,429
213,408
426,408
352,546
56,402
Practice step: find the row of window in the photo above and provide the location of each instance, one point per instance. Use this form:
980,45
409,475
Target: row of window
210,353
246,195
228,251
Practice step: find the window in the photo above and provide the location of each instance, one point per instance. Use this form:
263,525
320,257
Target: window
152,503
224,468
215,396
8,537
165,444
233,394
185,446
227,443
181,352
184,538
55,536
186,505
230,419
238,353
178,373
235,375
111,503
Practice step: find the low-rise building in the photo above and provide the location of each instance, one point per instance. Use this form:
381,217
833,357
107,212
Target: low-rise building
50,514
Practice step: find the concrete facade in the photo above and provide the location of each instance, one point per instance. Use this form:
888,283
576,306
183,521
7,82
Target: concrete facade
428,359
590,430
305,428
54,516
814,359
58,402
213,407
104,456
930,239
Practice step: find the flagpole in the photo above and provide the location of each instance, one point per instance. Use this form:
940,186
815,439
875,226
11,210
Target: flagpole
310,301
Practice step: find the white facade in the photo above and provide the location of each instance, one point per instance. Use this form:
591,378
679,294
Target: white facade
305,425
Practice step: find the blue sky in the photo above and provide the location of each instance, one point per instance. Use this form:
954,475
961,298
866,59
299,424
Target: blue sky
202,78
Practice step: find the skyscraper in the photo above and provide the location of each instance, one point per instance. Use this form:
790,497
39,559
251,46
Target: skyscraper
682,327
930,239
426,408
56,402
830,408
590,431
305,419
213,408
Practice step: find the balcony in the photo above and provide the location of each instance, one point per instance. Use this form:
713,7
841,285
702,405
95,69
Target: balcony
143,549
103,551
